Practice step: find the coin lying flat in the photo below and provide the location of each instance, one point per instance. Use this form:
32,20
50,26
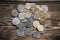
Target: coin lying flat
37,16
35,10
28,31
28,5
33,5
21,15
21,8
15,21
48,15
42,14
44,8
14,12
43,21
36,24
22,26
29,23
36,34
20,33
40,28
28,14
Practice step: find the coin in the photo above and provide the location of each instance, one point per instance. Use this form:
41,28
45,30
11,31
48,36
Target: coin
15,21
28,5
36,34
33,5
28,31
37,16
44,8
40,27
29,23
21,15
42,14
35,10
48,14
14,12
43,21
21,8
28,14
20,33
36,24
22,26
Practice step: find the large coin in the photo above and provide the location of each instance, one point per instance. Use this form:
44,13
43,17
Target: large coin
40,28
42,14
15,21
48,14
21,8
44,8
35,10
36,34
29,23
28,14
36,24
21,26
28,5
28,31
37,16
33,5
14,12
21,15
20,33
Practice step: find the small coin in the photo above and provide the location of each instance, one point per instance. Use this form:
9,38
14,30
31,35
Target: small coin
28,14
42,14
44,8
40,28
35,10
15,21
36,24
21,15
20,33
48,15
21,8
28,5
37,16
28,31
21,26
33,5
14,12
36,34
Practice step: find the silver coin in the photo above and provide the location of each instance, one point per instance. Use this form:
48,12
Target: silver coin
21,8
22,26
28,31
20,33
33,5
15,21
36,34
21,16
29,23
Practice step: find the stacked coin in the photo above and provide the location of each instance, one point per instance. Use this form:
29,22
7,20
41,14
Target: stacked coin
30,19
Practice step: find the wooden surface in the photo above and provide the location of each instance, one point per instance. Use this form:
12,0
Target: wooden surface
8,31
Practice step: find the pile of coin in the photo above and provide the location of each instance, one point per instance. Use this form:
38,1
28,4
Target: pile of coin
30,19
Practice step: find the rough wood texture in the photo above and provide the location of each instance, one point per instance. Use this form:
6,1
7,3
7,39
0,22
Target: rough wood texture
8,31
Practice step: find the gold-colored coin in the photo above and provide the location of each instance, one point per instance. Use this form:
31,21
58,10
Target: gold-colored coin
35,10
49,22
28,13
14,12
48,14
42,14
40,28
42,21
